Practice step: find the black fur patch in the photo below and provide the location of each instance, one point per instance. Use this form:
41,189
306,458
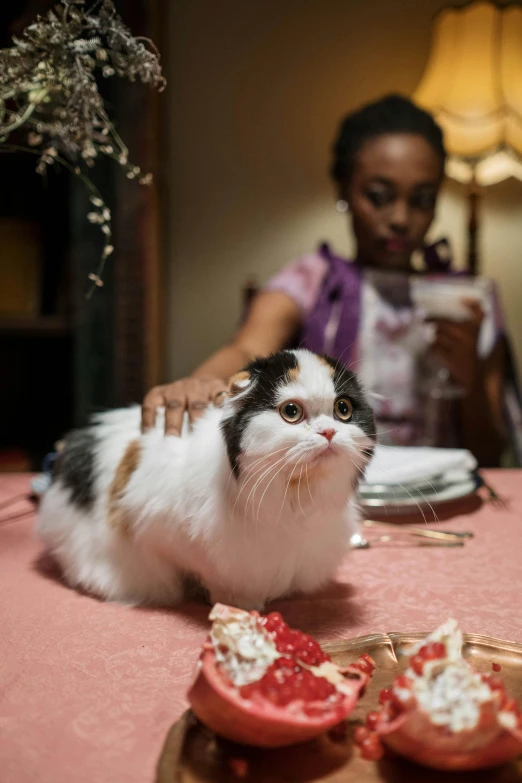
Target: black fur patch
74,466
267,375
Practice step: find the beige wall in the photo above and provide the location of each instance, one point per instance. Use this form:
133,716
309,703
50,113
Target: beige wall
255,93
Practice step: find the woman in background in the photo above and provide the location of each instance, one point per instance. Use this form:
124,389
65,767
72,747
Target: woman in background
388,168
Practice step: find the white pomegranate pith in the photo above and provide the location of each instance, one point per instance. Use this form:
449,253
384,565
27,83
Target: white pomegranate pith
446,687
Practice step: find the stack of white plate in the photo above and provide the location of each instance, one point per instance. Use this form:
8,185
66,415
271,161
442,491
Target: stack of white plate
402,480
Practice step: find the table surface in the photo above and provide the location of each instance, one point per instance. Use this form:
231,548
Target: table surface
88,690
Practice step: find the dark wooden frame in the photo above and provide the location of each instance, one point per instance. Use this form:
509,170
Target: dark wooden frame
119,333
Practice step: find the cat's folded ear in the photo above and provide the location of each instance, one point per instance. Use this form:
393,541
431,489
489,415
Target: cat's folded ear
239,383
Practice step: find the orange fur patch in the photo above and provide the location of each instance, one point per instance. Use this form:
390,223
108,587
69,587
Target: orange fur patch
293,374
127,466
236,379
327,364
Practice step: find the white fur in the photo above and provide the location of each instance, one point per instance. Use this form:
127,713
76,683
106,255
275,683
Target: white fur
283,526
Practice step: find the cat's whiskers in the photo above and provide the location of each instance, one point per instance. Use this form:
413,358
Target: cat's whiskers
265,471
272,479
305,467
245,480
383,432
423,497
308,484
263,495
258,460
266,490
298,491
251,467
339,358
361,471
251,473
286,490
260,479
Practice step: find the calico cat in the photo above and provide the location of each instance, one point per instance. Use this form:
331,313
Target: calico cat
255,502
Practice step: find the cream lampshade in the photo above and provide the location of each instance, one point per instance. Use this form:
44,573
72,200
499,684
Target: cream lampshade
472,84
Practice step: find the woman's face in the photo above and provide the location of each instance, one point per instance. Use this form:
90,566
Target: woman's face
392,195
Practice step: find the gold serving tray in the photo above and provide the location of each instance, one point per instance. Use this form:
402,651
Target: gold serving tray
192,754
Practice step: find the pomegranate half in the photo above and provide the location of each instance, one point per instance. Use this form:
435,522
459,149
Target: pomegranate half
259,682
444,714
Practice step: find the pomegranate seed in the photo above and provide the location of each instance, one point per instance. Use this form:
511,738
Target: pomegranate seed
389,698
417,664
364,666
292,642
284,681
385,695
496,667
275,618
361,733
369,660
429,652
494,683
285,662
371,748
432,651
239,767
373,720
402,681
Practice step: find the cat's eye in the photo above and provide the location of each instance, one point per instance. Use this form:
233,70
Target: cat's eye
292,412
343,409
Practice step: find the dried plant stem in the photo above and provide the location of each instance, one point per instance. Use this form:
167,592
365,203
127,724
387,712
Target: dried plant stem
50,76
6,130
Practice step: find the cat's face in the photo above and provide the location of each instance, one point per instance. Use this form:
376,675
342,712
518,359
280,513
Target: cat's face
298,411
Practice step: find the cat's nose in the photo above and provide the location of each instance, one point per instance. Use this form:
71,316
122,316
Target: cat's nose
328,434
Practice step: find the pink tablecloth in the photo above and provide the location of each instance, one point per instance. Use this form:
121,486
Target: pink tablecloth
88,690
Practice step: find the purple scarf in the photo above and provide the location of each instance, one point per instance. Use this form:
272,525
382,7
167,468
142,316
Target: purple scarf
337,309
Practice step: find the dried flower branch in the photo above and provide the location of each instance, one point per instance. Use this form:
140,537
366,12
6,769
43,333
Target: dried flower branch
48,88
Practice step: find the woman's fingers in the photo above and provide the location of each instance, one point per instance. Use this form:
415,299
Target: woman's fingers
153,400
176,400
202,393
192,395
198,399
218,393
475,308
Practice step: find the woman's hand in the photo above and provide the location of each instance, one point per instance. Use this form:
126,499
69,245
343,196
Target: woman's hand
193,395
273,319
456,346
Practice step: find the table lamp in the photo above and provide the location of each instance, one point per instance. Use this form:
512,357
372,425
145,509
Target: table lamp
472,85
